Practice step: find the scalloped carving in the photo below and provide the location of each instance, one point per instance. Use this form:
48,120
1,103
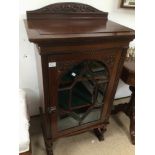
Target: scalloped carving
68,8
109,60
63,67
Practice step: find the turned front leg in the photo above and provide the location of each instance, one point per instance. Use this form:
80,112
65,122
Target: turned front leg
99,132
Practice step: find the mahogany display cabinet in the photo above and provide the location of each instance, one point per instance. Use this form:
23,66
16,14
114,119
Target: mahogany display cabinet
80,55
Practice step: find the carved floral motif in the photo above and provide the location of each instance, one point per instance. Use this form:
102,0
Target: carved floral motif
109,60
63,67
67,8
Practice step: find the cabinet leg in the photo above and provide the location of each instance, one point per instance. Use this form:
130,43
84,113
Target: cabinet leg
48,142
129,110
99,132
132,115
49,149
132,129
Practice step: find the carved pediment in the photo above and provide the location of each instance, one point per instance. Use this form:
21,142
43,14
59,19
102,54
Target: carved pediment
66,8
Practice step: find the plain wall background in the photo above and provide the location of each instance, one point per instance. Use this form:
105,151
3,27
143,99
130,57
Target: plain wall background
27,65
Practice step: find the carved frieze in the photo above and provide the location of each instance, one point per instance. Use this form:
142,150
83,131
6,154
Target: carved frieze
65,66
109,60
67,8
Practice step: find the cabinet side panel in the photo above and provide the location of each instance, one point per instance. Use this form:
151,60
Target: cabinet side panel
43,89
114,84
40,78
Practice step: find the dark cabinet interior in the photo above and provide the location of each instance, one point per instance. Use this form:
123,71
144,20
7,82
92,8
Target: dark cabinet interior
81,94
80,54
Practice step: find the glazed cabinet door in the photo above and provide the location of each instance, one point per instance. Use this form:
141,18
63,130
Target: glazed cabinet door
81,93
80,86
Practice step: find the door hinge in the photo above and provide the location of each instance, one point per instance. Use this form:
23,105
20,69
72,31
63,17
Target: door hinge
51,109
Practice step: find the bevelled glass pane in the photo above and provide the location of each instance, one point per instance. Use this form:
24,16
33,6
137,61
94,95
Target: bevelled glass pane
81,94
66,123
93,115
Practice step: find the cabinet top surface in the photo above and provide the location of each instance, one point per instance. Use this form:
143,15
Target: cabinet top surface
60,21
